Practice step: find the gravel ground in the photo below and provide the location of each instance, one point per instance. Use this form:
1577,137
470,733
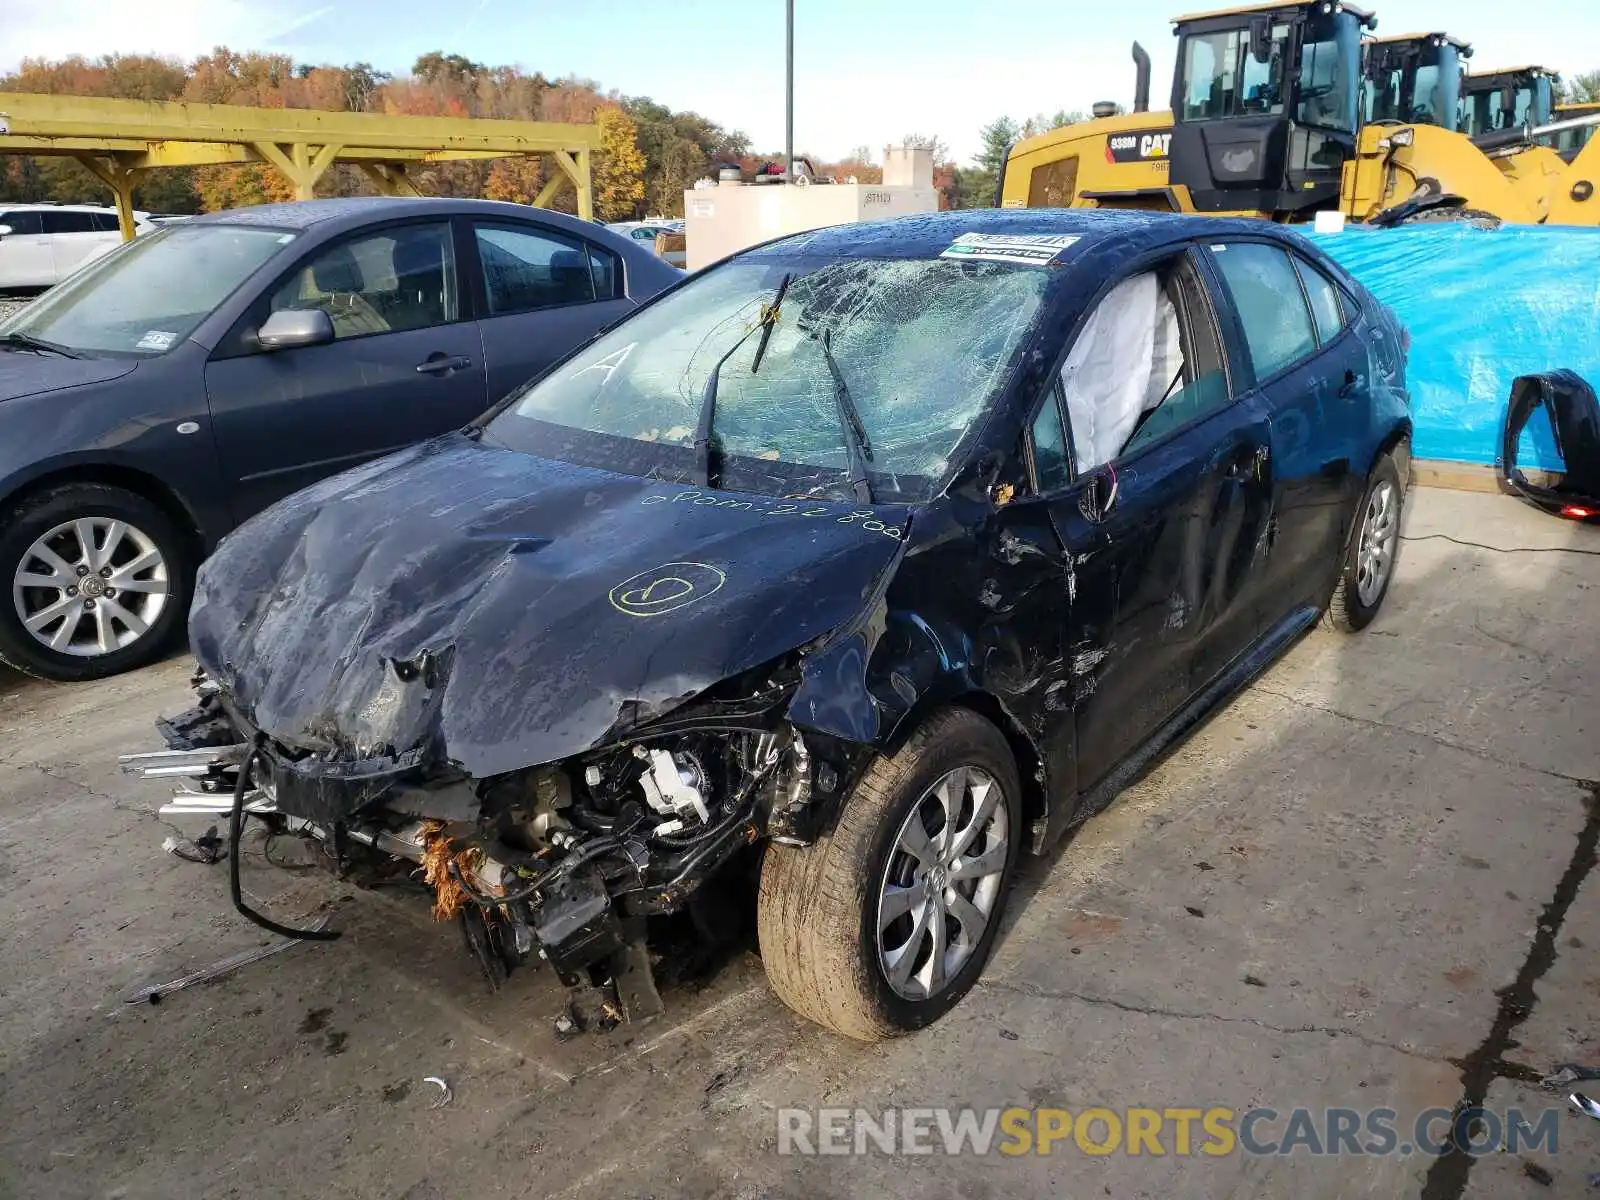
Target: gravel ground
9,305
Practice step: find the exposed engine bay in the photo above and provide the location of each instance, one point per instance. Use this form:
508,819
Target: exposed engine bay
565,862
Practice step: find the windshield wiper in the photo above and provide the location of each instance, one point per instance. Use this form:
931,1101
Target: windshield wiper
858,450
26,341
708,398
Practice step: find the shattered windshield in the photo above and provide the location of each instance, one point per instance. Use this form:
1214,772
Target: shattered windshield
918,347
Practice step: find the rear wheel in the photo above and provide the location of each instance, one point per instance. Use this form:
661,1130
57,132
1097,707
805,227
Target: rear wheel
96,582
1369,562
883,925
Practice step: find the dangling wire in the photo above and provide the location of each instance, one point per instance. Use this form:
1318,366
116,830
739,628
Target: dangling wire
235,830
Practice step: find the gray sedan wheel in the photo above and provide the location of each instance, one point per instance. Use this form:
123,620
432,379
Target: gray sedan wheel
90,586
98,582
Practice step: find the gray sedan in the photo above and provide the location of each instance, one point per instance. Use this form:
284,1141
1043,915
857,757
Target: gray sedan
164,394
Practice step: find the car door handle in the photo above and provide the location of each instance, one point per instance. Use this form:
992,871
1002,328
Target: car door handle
1353,385
439,364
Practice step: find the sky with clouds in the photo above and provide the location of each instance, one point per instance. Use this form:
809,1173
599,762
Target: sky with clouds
867,73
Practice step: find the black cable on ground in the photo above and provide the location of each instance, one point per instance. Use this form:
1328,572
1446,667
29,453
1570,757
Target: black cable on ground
1445,537
235,830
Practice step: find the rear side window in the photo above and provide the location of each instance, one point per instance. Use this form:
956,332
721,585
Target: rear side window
104,222
526,268
1326,309
67,222
20,223
1265,290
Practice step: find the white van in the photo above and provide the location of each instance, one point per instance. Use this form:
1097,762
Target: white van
41,244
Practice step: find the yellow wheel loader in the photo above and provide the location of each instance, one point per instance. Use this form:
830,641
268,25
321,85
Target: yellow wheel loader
1573,139
1265,112
1281,111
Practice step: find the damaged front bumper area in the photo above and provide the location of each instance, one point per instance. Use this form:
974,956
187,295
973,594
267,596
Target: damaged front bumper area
565,862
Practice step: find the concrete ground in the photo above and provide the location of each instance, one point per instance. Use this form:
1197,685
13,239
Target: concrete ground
1365,884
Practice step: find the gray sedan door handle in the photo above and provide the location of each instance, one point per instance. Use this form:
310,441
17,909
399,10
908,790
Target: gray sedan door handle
439,364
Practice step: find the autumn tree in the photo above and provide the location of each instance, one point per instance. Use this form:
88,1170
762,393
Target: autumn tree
618,167
650,164
930,142
517,180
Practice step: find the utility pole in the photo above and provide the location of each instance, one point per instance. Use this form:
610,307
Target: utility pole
788,135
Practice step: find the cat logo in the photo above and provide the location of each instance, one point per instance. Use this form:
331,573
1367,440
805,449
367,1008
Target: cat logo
1139,147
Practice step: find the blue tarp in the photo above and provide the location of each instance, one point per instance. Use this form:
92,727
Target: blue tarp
1483,306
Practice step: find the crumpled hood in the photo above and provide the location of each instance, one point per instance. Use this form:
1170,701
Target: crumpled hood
24,373
556,603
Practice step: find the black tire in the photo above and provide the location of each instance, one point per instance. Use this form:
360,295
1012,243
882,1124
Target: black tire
817,912
1475,218
34,517
1348,611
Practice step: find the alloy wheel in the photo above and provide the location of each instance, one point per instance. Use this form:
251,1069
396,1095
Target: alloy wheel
941,885
1380,529
90,587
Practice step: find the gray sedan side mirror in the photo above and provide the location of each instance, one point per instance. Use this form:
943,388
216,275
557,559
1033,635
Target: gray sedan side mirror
292,327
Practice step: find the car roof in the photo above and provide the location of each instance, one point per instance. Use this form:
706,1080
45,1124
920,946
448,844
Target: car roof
354,211
38,206
926,235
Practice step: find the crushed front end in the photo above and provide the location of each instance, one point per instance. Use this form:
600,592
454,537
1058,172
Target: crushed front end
566,862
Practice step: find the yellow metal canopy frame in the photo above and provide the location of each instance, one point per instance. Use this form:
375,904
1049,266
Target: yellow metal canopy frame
122,141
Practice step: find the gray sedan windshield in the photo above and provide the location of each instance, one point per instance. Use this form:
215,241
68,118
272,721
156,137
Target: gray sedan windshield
150,294
921,345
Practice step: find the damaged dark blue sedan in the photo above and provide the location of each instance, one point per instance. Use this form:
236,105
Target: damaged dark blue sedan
823,586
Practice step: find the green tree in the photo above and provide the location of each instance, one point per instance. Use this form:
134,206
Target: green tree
1583,89
996,138
1045,122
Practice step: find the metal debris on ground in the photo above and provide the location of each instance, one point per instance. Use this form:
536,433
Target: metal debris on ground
1566,1073
445,1094
207,849
1585,1105
152,993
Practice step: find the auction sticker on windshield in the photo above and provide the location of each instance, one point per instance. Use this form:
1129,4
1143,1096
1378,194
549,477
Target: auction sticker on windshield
1037,250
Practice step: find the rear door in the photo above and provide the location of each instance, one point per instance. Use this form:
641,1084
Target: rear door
1311,372
540,293
25,256
74,237
406,364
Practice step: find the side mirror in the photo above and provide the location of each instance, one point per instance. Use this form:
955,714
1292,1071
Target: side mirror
1098,497
1261,39
5,230
1508,103
293,327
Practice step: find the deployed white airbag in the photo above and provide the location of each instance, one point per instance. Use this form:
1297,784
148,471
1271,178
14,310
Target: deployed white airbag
1108,375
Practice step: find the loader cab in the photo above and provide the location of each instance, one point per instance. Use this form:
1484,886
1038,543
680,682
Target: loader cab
1414,79
1506,99
1266,105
